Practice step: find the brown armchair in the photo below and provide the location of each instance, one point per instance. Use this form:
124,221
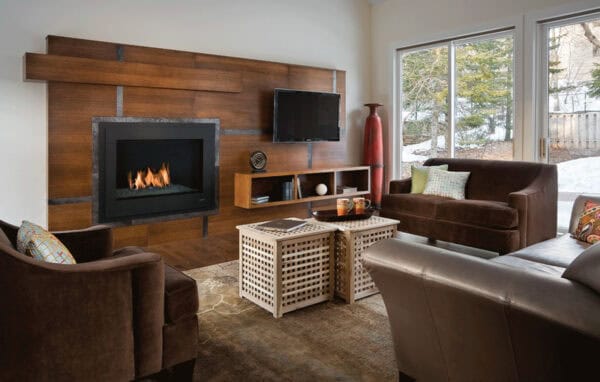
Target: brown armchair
114,316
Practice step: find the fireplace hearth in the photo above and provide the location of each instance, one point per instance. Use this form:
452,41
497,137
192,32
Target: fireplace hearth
150,169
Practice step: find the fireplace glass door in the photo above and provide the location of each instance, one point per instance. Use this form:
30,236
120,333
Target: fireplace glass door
158,167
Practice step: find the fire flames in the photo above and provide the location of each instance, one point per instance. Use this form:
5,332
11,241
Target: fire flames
149,178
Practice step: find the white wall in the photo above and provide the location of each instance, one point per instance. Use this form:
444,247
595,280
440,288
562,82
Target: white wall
395,22
332,33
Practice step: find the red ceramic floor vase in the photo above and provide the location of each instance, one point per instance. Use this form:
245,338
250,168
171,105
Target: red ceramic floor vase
373,153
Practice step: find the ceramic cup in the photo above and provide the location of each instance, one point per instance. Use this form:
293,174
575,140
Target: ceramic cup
344,206
360,205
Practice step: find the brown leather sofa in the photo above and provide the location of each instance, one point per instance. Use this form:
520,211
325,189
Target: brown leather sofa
114,316
509,205
532,315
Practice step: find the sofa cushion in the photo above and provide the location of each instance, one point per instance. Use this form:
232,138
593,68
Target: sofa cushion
181,295
585,269
414,204
479,212
588,227
450,184
560,251
419,175
529,265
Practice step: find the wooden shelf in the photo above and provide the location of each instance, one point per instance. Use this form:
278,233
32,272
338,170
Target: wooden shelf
249,185
105,72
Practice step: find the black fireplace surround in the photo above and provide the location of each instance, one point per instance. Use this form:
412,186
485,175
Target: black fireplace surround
152,169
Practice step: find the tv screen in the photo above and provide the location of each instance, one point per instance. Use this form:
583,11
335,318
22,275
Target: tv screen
301,116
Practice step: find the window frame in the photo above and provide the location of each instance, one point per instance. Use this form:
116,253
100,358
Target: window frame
450,44
542,65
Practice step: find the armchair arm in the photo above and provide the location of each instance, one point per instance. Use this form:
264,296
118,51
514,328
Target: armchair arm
537,207
102,319
448,309
401,186
89,244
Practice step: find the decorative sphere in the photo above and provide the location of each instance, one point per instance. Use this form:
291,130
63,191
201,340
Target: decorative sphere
321,189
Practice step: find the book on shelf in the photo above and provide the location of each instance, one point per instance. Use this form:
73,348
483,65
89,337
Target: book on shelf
299,186
286,190
260,199
281,225
346,190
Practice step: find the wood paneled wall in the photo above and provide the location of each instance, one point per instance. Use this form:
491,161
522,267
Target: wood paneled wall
246,125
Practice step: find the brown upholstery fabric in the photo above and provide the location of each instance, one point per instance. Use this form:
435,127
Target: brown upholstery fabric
102,320
491,179
180,342
401,186
509,205
127,251
491,239
4,240
560,251
585,269
461,318
181,296
415,204
478,212
89,244
537,206
10,231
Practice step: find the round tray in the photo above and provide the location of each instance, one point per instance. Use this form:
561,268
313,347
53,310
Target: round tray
332,216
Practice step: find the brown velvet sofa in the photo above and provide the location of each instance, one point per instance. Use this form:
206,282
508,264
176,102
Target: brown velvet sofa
531,315
509,205
114,316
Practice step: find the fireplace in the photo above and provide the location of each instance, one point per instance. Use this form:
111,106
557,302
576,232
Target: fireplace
149,169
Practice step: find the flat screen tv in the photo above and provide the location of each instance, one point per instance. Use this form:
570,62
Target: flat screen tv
301,116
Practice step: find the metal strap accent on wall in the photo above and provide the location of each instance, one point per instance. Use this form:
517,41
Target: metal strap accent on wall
77,199
120,57
241,132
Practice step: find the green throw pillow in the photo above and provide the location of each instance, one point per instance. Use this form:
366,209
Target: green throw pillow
419,177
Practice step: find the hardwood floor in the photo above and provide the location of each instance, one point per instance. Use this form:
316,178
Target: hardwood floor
190,254
196,253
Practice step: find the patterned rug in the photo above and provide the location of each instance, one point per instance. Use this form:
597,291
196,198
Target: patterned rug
331,341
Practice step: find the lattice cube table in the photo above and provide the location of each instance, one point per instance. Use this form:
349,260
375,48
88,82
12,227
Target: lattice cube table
352,280
285,271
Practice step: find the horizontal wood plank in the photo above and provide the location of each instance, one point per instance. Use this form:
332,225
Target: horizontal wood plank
106,72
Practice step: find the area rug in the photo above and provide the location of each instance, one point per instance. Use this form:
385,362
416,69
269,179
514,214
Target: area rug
330,341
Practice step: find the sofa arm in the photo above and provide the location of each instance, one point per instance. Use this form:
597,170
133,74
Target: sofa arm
101,318
89,244
401,186
537,208
448,309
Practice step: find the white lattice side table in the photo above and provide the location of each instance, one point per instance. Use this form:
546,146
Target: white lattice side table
352,280
285,271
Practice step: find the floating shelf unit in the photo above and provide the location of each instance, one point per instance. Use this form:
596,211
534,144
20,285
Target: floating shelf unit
249,185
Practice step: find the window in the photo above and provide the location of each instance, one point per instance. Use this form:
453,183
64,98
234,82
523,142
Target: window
571,106
457,100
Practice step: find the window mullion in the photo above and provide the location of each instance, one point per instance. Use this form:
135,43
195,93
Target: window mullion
451,99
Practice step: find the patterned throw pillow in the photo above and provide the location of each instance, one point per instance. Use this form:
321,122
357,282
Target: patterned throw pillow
42,245
419,175
24,234
450,184
588,228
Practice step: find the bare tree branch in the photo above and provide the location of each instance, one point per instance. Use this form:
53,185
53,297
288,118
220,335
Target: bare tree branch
591,37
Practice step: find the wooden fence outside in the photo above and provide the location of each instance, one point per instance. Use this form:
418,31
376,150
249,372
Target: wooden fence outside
575,131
